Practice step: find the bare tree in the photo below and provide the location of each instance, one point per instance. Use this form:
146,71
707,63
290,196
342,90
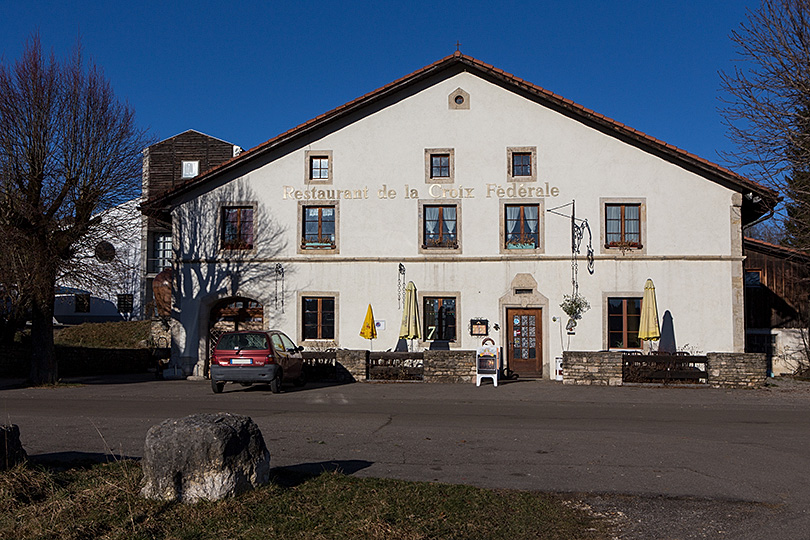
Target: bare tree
69,150
767,108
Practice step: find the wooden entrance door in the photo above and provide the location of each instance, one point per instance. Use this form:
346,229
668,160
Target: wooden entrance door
524,341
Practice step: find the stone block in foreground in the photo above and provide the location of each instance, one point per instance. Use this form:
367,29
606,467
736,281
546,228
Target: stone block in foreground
11,450
204,457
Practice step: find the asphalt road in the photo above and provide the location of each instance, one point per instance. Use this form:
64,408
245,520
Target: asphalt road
661,462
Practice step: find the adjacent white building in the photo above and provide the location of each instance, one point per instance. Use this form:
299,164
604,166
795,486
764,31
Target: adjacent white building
465,177
102,282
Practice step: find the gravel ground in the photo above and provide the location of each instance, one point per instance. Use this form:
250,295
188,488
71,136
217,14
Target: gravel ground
678,518
665,518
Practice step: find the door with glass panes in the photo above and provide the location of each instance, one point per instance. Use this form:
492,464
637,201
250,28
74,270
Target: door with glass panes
524,341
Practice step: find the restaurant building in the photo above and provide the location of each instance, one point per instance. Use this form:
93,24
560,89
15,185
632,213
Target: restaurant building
464,180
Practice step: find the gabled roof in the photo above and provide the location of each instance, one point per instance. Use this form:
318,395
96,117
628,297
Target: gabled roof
192,131
766,198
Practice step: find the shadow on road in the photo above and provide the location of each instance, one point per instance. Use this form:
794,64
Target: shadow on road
286,389
295,475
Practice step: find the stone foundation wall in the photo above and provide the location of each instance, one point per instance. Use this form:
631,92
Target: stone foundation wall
725,370
351,365
449,366
737,370
592,368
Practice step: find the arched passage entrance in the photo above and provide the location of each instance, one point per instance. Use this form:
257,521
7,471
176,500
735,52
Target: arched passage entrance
231,314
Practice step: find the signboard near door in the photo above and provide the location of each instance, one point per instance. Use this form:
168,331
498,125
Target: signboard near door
524,341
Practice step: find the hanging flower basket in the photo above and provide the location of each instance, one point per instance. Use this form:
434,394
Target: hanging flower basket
574,305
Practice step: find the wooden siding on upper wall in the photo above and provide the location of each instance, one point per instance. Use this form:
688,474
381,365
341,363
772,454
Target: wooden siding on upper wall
164,159
783,288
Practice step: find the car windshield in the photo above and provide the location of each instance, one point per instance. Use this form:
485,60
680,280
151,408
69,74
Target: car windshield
245,342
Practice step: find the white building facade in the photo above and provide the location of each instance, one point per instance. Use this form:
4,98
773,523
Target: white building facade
450,174
102,282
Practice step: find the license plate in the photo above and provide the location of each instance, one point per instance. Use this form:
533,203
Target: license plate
241,361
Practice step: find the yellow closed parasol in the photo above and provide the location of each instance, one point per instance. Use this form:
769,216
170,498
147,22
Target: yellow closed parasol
648,329
409,329
369,330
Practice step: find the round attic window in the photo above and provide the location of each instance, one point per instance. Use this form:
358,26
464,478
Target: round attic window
105,251
459,100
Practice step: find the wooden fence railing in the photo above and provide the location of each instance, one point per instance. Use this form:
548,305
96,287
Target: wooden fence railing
393,366
663,368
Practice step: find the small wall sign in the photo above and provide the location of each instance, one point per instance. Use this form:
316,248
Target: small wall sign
479,327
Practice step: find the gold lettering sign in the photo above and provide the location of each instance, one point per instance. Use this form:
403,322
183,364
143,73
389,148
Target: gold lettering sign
434,191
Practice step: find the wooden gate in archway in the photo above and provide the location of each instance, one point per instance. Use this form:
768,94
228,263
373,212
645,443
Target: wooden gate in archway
232,314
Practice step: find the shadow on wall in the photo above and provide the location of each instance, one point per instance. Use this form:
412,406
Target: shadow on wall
667,341
210,272
99,310
237,271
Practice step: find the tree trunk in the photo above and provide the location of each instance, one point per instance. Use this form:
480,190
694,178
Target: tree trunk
43,357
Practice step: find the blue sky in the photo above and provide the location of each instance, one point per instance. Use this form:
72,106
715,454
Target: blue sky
246,71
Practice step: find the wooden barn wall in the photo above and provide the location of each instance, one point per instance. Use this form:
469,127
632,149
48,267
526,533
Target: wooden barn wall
783,289
164,160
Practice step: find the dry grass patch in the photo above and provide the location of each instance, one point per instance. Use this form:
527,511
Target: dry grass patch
103,502
109,335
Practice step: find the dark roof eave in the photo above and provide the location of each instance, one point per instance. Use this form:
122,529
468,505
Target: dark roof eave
776,250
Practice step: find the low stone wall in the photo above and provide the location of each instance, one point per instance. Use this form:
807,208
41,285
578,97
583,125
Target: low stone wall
438,366
725,370
351,365
592,368
449,366
737,370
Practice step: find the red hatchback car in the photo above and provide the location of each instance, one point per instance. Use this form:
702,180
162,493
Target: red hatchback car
256,357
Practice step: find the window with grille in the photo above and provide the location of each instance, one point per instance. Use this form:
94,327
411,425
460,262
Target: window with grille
623,225
624,318
237,227
440,166
521,164
318,315
319,167
440,227
318,227
522,226
124,303
161,256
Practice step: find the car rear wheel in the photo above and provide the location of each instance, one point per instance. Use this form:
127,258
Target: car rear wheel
217,386
275,384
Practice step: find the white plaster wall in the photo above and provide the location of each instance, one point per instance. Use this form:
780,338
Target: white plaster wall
790,353
688,235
